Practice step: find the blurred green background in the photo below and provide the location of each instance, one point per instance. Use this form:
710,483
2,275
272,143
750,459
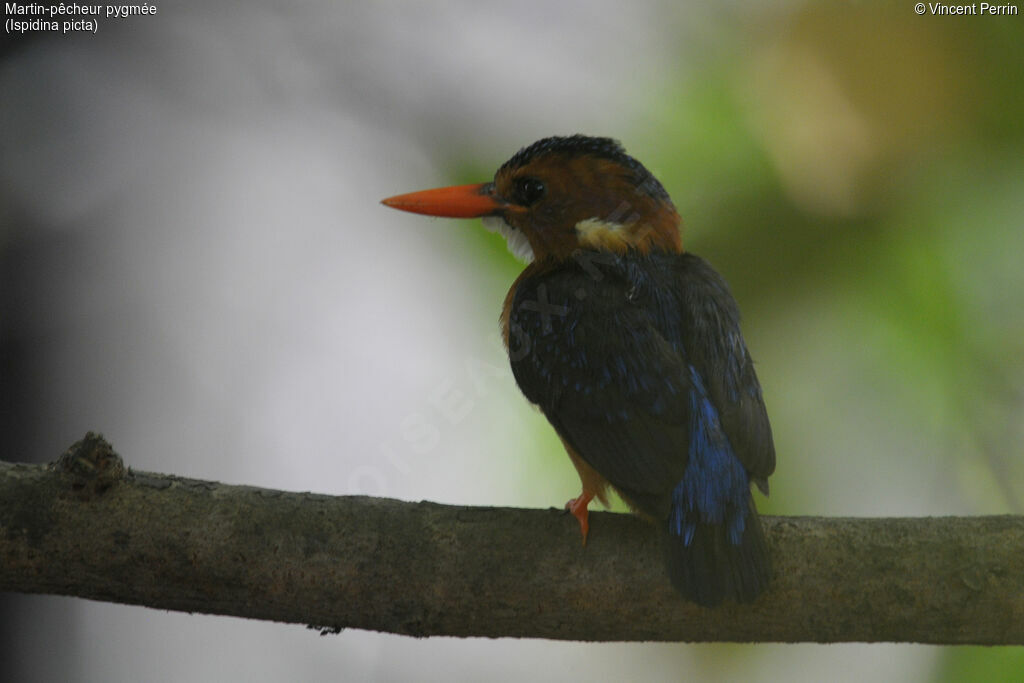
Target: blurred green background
857,173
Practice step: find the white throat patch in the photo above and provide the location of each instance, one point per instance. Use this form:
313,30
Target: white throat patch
517,242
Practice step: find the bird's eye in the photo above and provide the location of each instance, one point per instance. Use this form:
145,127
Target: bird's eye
528,191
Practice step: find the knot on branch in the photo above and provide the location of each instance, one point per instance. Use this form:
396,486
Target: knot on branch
90,466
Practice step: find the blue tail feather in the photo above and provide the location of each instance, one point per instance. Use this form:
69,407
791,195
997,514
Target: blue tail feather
716,545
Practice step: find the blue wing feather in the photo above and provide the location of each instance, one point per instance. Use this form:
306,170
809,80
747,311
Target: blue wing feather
644,374
715,487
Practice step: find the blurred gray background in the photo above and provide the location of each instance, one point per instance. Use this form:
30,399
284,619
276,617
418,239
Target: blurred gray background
193,261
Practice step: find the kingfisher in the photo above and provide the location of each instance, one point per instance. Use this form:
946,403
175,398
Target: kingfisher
631,347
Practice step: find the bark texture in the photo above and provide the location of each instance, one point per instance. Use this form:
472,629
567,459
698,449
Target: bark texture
88,527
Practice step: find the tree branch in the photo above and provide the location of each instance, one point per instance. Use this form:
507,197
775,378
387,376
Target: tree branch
85,526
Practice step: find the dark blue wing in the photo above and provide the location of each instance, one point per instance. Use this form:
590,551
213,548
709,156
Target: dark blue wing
639,365
612,386
716,349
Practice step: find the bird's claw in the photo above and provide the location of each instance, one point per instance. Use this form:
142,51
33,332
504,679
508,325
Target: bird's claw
578,507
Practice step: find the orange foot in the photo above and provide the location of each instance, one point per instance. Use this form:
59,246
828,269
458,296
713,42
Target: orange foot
578,508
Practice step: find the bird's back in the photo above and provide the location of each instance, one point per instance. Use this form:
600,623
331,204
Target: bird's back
638,362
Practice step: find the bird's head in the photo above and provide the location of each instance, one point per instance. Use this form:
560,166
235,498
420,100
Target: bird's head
562,194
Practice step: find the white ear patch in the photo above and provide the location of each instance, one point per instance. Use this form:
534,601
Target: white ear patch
594,232
517,242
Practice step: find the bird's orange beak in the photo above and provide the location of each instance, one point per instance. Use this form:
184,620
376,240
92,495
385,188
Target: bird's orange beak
459,201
